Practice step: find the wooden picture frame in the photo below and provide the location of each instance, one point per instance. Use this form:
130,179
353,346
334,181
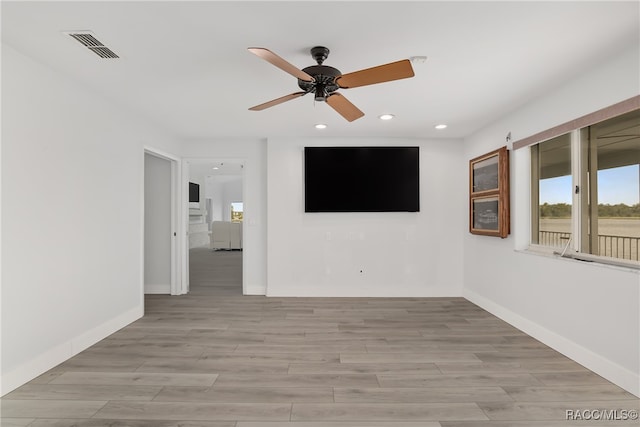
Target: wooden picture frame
489,194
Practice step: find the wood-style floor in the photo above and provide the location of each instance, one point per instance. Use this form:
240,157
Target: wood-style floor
215,358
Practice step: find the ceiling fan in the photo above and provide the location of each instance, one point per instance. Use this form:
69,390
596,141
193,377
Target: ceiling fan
324,81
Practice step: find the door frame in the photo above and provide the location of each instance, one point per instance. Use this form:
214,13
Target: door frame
186,162
177,282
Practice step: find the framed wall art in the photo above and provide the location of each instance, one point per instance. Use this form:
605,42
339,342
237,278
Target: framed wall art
489,194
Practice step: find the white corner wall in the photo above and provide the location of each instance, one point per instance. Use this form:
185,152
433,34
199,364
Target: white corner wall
589,312
400,254
252,153
71,272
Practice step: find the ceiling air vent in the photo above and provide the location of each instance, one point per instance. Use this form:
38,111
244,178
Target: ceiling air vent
88,40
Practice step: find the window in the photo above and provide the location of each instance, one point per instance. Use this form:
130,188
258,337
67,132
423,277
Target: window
586,189
552,196
237,210
613,155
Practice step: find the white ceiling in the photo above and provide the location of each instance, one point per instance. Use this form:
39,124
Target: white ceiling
185,65
222,168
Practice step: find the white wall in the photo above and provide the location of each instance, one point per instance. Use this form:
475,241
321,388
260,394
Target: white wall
214,192
588,311
252,153
71,274
400,253
157,225
232,192
223,190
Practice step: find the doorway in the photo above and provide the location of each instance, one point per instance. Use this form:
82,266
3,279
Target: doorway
215,233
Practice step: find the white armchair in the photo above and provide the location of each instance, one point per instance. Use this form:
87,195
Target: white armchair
226,235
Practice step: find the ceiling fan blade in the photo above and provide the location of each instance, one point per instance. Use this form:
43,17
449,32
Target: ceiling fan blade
380,74
274,59
344,107
277,101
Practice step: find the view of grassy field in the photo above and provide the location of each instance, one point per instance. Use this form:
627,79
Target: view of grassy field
625,242
628,227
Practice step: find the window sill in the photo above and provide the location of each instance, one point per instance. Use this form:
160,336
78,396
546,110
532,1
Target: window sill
616,264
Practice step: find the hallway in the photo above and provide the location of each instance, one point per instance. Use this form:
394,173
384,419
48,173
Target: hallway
215,272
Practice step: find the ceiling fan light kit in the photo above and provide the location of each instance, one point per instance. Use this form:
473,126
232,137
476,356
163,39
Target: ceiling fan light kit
324,81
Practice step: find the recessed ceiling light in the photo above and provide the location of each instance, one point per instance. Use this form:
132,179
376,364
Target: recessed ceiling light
321,126
442,126
215,168
386,117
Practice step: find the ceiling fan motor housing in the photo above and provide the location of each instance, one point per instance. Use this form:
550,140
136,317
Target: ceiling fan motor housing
324,76
324,80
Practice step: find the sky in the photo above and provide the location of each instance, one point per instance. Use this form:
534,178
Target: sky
616,185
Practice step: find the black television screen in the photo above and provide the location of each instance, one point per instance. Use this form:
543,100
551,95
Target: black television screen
361,179
194,192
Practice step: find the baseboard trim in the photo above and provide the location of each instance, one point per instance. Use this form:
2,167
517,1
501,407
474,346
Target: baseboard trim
58,354
613,372
255,290
158,289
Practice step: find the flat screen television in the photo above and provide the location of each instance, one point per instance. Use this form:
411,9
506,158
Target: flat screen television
361,179
194,192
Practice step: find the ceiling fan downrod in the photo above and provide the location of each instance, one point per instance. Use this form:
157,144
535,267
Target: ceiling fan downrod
319,53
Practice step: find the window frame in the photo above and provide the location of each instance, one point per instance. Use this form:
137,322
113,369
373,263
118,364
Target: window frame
579,246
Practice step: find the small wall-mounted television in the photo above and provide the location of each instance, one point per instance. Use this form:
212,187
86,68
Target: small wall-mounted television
361,179
194,192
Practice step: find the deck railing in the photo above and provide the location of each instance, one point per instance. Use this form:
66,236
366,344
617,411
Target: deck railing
623,247
619,246
553,238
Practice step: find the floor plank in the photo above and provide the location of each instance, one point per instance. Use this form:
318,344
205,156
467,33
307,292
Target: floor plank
457,380
16,422
298,380
84,392
246,394
568,393
137,378
127,423
195,411
364,368
421,395
45,408
340,424
385,411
